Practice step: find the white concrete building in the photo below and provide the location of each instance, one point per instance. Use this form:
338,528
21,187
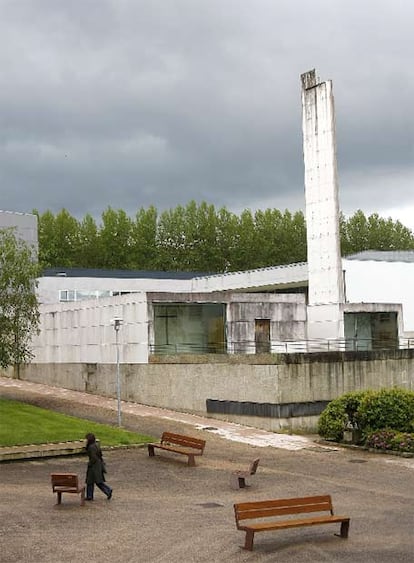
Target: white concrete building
24,223
167,323
378,310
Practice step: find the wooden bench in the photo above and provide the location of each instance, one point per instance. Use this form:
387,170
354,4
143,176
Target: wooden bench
266,515
67,483
238,478
180,445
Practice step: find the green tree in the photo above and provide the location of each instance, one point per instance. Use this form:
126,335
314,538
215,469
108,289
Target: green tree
19,315
201,238
89,253
172,240
245,253
385,234
294,237
227,241
66,236
47,244
115,239
58,236
270,232
144,239
360,233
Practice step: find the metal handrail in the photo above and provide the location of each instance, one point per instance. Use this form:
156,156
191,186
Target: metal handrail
285,346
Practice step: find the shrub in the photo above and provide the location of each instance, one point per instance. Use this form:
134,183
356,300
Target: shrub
403,442
339,415
387,408
381,440
391,440
386,415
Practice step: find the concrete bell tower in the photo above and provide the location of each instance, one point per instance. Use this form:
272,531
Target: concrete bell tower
326,287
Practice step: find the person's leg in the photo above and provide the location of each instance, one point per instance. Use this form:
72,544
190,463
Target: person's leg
106,489
89,491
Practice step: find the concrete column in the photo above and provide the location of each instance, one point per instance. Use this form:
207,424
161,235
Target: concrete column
326,289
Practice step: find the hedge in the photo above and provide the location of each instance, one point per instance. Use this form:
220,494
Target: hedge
368,411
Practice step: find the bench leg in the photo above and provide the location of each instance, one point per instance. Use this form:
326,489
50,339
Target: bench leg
191,460
344,529
238,481
234,481
150,450
248,544
59,498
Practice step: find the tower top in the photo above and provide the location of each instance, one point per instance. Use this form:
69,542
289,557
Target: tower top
309,79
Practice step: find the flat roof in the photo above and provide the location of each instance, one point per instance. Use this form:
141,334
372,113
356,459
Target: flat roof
383,256
119,274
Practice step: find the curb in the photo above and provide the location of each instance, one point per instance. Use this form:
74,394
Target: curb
34,451
365,449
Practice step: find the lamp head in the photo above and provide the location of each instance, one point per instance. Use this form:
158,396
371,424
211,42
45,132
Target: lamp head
117,322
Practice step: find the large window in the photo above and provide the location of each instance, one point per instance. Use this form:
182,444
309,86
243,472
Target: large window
67,295
371,331
189,328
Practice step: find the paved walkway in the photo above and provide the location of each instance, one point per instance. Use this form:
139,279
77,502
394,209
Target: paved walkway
166,512
227,430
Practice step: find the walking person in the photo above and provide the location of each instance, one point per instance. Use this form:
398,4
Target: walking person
95,473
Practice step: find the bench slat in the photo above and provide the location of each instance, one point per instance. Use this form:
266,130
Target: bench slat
185,451
67,483
186,441
294,523
259,510
65,479
280,511
64,489
285,502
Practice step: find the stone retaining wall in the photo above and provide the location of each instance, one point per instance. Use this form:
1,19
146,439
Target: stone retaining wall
184,384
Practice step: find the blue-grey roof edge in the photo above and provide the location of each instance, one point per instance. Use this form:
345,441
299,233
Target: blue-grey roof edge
383,255
119,274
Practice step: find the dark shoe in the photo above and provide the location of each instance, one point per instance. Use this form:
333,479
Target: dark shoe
89,499
110,496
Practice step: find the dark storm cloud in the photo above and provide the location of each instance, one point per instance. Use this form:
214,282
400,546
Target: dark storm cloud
132,103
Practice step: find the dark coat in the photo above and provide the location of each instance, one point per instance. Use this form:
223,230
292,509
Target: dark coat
96,468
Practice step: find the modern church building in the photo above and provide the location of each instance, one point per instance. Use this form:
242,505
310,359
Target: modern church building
328,303
267,347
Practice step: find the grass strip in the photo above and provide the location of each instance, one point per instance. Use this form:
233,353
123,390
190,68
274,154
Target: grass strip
22,424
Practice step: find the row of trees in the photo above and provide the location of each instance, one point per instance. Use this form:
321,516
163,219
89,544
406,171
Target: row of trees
199,237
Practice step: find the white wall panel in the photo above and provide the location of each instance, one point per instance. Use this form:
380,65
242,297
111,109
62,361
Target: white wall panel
370,281
82,331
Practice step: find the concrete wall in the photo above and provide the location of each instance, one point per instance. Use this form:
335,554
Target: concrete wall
287,314
24,223
82,331
186,386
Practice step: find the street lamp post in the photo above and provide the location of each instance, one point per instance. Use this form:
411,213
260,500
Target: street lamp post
117,322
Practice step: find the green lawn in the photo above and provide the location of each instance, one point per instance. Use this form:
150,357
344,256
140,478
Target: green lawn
21,423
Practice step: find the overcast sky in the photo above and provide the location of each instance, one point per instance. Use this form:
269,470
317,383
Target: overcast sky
131,103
